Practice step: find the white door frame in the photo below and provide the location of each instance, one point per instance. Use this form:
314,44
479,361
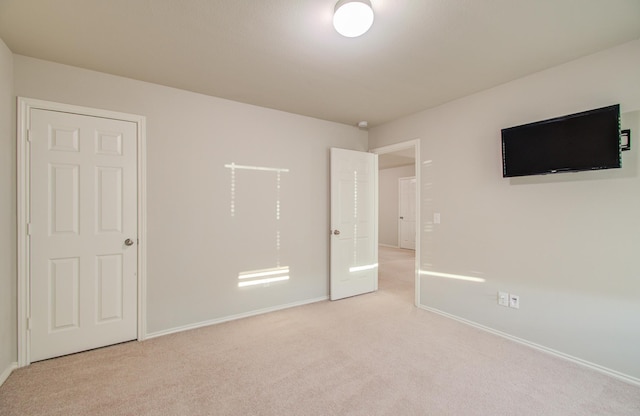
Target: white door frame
25,105
415,145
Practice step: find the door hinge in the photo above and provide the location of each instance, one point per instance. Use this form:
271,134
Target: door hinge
28,324
28,228
28,135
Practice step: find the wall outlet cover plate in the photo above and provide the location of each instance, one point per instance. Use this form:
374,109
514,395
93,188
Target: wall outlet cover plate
503,299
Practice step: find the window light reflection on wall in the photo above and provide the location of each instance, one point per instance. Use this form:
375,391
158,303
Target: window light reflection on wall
263,276
452,276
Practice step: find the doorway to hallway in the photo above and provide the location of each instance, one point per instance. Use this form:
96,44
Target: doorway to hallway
396,271
399,160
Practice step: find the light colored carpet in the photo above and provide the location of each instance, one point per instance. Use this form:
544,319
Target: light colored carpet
374,354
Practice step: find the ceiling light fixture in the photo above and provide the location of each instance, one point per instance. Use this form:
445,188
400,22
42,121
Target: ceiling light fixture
353,18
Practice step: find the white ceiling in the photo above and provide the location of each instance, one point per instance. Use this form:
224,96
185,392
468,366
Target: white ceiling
284,54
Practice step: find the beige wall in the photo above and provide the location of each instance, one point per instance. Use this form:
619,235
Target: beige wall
566,243
388,205
8,348
195,247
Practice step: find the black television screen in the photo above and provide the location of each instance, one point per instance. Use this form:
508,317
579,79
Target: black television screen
581,141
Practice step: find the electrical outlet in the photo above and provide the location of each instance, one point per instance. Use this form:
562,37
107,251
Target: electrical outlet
503,299
514,301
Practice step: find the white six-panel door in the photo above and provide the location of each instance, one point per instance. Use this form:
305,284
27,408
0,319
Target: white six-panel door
354,219
83,199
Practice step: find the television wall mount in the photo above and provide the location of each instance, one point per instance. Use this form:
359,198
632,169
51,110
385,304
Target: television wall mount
625,140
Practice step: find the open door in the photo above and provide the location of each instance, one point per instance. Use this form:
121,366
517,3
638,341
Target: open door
354,223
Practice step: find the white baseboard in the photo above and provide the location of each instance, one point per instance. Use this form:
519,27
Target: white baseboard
613,373
233,317
388,245
7,372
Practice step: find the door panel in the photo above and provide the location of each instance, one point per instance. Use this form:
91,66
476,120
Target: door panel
64,199
109,287
83,201
64,296
354,218
109,199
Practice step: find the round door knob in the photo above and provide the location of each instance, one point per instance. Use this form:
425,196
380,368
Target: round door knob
336,232
128,242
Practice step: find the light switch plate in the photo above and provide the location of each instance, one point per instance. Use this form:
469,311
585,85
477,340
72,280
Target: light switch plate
503,299
514,301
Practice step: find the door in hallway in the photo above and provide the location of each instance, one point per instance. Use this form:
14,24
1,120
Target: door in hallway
407,213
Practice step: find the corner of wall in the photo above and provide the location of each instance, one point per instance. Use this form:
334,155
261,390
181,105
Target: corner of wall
7,372
8,322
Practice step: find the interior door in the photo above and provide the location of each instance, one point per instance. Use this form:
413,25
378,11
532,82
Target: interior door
83,225
407,212
354,219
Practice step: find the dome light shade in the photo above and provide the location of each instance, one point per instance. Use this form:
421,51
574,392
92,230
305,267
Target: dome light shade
353,18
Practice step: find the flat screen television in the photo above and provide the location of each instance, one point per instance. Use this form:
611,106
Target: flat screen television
582,141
